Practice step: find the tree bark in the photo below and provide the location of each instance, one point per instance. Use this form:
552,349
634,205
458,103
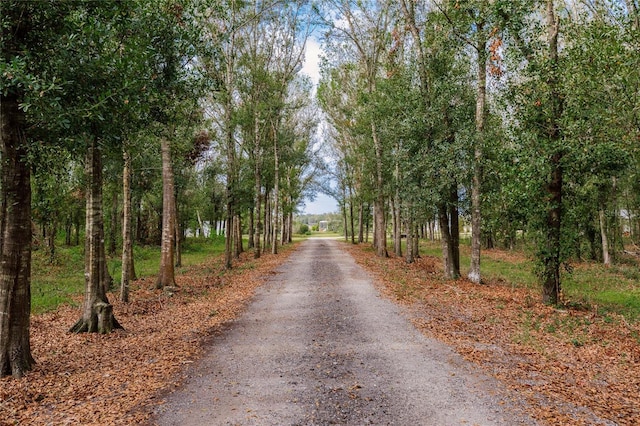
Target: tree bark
257,187
237,231
476,185
606,259
276,192
551,256
454,231
15,242
360,222
127,240
252,229
448,255
97,313
166,275
380,229
351,218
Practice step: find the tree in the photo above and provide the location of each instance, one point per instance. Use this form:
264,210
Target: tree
28,31
15,241
97,312
365,33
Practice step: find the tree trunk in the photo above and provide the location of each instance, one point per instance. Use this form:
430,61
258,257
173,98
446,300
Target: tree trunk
410,237
397,226
448,255
344,218
351,218
551,256
267,219
258,216
276,193
606,259
166,275
252,230
97,313
257,176
237,231
360,222
380,229
367,223
476,185
15,242
127,240
454,231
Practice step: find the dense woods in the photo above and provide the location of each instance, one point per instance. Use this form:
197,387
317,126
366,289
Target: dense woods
138,122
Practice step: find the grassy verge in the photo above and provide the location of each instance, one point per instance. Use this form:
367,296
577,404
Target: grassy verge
586,284
56,283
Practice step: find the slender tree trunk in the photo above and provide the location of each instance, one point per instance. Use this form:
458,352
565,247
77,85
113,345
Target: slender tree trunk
345,220
351,218
276,193
476,185
237,230
410,236
267,219
606,259
551,257
257,176
127,240
15,242
368,224
380,229
360,222
448,249
397,227
97,312
258,215
252,229
166,275
454,231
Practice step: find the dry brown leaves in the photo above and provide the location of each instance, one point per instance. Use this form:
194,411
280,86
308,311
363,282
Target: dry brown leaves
116,378
573,367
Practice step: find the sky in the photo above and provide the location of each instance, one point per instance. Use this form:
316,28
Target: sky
311,67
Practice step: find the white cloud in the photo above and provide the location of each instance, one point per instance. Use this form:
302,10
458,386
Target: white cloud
311,66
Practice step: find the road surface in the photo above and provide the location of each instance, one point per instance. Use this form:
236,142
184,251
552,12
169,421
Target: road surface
318,346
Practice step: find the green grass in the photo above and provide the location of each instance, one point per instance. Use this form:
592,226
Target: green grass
614,289
53,284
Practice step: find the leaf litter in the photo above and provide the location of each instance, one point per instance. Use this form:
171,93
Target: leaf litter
116,379
573,366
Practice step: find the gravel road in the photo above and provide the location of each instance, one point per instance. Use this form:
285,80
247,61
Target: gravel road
318,346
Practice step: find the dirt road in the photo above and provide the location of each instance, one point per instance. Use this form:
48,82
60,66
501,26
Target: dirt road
320,346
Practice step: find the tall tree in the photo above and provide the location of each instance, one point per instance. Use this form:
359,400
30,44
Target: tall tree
365,33
97,312
15,239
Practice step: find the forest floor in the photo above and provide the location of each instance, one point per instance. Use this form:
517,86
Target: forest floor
570,364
